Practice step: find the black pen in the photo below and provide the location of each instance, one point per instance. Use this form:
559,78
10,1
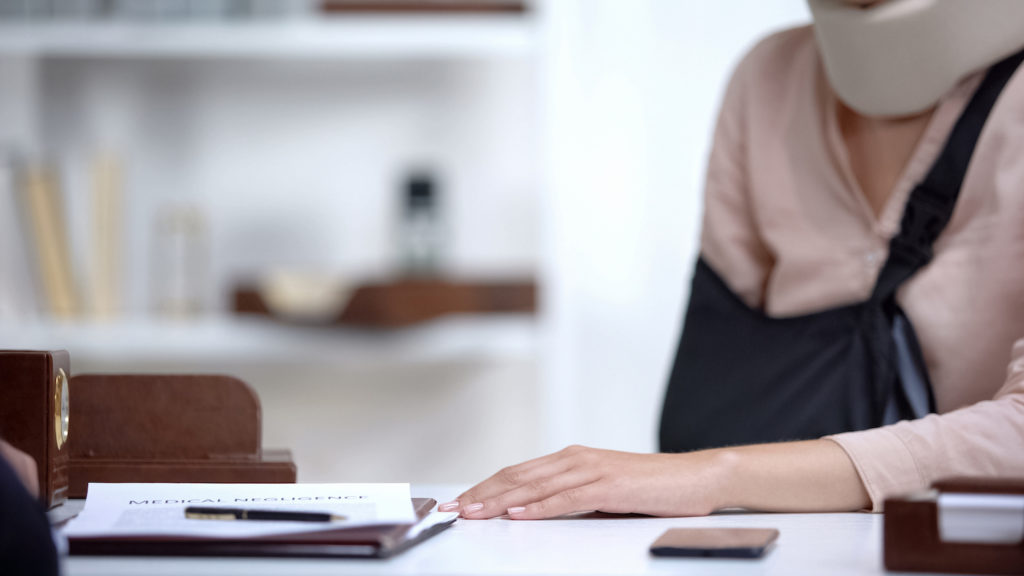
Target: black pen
204,513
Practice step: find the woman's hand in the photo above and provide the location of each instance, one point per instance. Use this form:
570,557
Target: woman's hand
580,479
808,476
24,466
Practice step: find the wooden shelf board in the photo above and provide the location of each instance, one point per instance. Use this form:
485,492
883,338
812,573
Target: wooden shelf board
341,37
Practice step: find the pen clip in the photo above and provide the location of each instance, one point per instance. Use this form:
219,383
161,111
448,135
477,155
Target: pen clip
209,516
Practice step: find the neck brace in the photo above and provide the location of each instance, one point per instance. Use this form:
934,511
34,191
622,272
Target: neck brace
898,58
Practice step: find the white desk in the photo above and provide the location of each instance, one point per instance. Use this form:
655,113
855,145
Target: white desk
818,544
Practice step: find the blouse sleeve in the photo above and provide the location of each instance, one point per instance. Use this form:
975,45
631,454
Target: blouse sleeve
984,439
730,240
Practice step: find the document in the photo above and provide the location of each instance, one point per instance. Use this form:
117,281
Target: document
127,510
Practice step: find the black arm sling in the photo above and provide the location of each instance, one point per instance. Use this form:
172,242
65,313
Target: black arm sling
741,377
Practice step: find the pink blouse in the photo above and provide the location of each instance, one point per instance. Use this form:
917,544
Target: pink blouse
788,228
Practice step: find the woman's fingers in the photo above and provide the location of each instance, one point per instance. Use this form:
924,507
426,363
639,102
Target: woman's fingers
536,490
579,499
511,478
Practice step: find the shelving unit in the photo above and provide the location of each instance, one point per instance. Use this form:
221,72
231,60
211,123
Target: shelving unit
259,341
360,37
293,138
353,43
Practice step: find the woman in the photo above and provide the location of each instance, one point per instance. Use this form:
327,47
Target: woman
821,137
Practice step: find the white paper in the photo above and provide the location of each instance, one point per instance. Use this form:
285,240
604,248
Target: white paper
981,518
159,509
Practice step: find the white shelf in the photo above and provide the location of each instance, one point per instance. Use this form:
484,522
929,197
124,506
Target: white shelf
347,37
257,340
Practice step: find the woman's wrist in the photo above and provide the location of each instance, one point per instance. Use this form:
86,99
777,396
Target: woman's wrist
702,481
724,466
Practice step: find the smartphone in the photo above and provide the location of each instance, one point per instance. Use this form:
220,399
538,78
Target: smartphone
714,542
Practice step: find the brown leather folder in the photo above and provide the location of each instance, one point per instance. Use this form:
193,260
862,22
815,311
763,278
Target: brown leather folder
168,428
913,544
365,542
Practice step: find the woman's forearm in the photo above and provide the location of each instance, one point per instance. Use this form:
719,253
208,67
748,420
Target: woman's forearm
809,476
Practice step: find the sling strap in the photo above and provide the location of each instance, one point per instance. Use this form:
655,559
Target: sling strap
928,211
931,202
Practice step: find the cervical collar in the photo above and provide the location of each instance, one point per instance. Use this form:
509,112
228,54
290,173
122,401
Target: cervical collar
898,57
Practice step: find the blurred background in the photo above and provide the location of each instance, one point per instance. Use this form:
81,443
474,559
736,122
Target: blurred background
436,237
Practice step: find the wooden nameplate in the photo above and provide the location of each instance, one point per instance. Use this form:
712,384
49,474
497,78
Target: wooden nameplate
168,428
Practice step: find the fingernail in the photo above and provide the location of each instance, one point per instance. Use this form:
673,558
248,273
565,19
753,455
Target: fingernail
516,510
449,506
473,508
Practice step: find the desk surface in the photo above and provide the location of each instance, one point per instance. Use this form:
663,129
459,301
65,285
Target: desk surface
834,544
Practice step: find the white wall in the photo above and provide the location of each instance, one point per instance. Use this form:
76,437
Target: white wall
452,422
632,90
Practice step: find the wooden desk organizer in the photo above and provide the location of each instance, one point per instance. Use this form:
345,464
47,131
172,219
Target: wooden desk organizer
913,542
168,428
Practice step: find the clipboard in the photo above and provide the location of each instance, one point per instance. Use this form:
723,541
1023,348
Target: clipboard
361,542
913,540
